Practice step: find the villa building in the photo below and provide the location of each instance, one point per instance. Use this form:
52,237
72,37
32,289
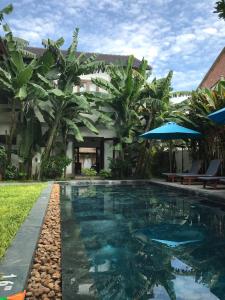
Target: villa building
96,150
215,73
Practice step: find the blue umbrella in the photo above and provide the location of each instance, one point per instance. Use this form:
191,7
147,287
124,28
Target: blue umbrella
218,116
171,131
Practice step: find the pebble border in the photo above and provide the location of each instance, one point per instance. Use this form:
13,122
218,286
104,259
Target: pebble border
45,278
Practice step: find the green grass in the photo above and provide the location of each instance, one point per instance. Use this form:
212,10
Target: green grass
15,203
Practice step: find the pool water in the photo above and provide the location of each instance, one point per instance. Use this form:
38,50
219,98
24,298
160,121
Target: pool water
141,242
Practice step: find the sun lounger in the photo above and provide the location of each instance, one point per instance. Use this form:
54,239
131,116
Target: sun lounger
211,181
195,168
212,171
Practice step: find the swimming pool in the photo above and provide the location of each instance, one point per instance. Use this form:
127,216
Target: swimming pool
140,242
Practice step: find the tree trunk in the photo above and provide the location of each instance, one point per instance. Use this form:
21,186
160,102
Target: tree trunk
12,131
140,167
50,141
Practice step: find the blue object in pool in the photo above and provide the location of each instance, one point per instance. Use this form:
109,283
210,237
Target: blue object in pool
172,235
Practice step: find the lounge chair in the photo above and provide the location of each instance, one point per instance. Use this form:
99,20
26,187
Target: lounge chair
211,181
195,168
212,171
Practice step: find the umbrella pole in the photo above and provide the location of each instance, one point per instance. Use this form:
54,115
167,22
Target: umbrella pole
182,157
170,155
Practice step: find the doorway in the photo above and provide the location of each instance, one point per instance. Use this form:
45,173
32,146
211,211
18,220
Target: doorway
89,154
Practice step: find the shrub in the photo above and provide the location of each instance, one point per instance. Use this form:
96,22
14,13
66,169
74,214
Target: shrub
120,168
54,166
22,176
11,173
89,172
105,174
3,158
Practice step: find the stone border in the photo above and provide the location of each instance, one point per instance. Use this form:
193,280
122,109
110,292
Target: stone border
212,195
19,256
45,278
217,194
106,182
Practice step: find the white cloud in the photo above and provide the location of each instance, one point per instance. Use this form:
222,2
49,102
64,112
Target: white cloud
181,35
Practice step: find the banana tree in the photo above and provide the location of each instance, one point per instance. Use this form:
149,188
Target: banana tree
123,99
194,112
5,11
16,79
69,110
155,108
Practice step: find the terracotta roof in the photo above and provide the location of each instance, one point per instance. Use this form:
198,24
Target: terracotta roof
108,58
215,73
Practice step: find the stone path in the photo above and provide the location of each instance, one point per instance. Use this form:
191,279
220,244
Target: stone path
45,279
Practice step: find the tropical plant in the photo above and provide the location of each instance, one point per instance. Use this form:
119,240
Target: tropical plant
220,9
11,172
105,174
194,113
121,168
122,99
88,172
3,157
69,110
155,109
53,168
16,81
5,11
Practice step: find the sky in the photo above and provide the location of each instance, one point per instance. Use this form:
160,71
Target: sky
180,35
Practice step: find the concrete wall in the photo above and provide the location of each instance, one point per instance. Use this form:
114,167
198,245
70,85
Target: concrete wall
69,153
108,153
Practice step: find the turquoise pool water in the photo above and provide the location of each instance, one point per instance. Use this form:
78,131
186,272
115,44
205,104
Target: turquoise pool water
141,242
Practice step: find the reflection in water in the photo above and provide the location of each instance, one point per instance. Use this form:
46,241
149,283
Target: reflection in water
145,242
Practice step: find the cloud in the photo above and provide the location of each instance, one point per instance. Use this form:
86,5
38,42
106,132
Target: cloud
183,35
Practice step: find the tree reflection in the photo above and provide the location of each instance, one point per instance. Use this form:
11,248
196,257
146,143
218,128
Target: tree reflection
128,266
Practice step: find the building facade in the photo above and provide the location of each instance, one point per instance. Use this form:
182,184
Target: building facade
215,73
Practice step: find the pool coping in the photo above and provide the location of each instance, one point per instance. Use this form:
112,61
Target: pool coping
211,194
17,261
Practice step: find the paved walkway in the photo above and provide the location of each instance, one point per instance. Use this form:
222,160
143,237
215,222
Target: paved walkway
198,189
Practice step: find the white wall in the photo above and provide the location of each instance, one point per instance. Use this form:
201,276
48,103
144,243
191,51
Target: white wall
3,128
108,153
103,132
69,153
95,75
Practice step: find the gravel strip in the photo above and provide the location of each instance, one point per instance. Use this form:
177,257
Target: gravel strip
45,279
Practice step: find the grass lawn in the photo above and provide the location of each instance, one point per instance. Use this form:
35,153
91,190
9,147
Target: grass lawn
15,204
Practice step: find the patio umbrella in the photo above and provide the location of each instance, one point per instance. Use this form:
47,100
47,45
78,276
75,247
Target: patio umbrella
218,116
171,131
